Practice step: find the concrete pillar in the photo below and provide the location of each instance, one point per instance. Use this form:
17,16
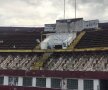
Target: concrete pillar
20,81
34,82
80,84
5,80
48,82
64,84
96,84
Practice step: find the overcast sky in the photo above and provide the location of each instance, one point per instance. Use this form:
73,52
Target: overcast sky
39,12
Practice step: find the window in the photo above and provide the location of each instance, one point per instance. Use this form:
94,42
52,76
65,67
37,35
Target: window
41,82
13,81
27,81
88,84
72,84
55,83
1,80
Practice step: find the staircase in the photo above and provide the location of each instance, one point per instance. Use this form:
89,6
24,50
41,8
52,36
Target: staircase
77,39
39,63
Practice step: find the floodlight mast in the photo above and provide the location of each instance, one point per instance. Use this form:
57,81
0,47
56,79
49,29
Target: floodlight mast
64,8
75,8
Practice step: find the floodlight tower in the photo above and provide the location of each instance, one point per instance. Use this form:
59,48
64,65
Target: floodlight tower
64,8
75,8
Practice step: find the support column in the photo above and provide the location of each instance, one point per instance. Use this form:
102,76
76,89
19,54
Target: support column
96,84
20,81
5,80
80,84
48,82
34,82
64,84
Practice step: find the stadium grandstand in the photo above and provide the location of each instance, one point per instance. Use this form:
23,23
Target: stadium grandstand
81,65
19,37
94,39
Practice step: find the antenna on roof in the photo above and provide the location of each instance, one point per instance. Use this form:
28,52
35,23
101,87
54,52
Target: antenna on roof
75,8
64,9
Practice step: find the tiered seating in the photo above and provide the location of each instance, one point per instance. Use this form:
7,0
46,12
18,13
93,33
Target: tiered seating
103,25
57,61
78,62
19,37
17,61
94,39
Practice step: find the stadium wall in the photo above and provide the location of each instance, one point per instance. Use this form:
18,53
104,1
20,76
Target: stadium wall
61,74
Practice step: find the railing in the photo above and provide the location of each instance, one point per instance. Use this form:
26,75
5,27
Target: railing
76,40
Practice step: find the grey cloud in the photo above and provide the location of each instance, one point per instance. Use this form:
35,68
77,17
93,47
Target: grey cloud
37,12
58,3
33,2
95,8
88,2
